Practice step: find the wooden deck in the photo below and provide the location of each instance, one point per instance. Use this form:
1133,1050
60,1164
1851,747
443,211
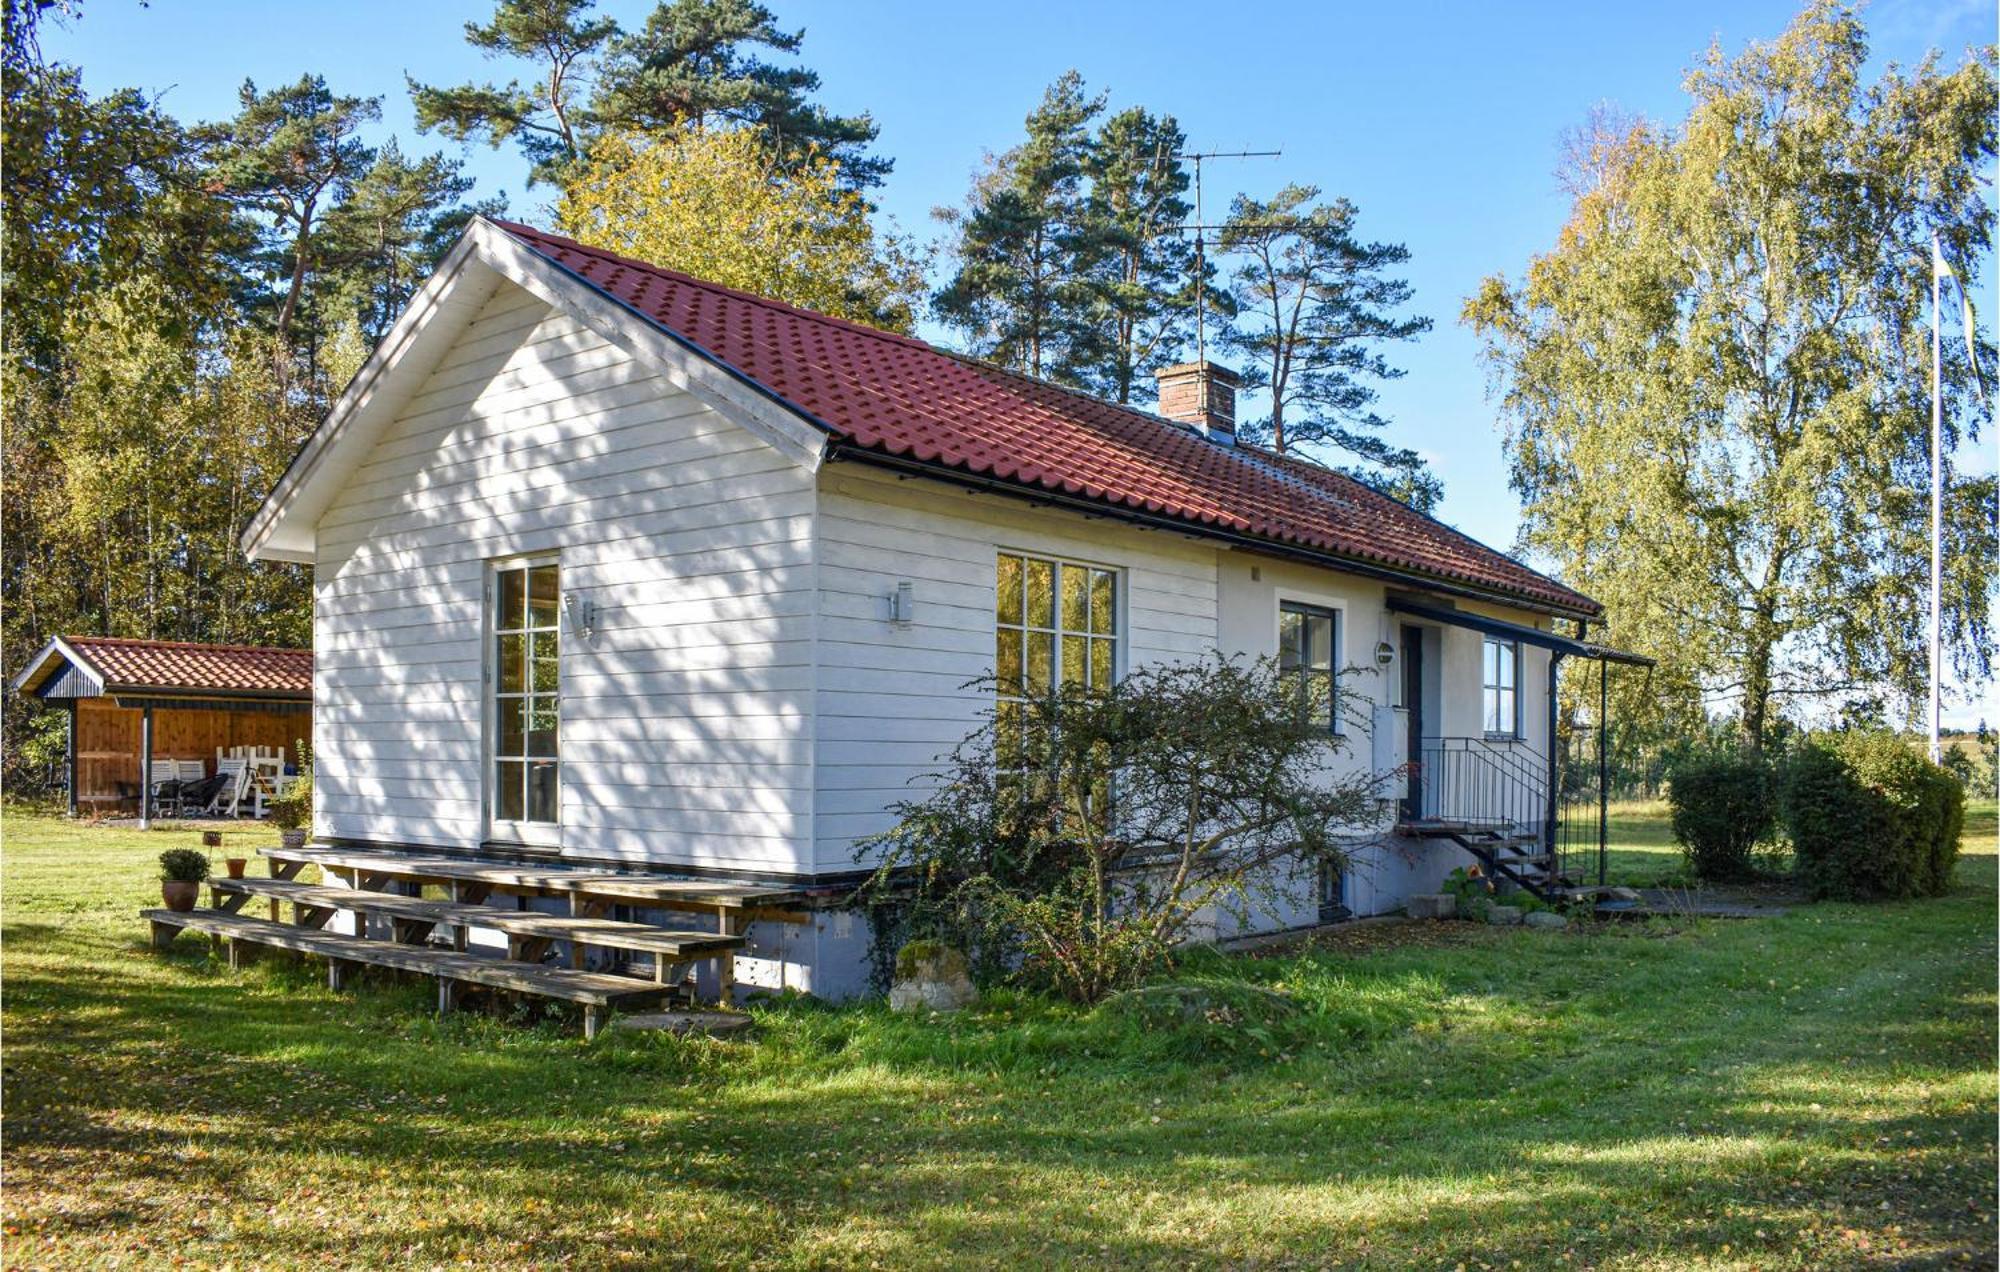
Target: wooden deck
469,876
596,992
430,934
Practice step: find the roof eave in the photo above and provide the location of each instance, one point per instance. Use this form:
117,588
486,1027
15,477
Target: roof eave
1252,543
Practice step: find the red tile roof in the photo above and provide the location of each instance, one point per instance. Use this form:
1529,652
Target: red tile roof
183,667
897,397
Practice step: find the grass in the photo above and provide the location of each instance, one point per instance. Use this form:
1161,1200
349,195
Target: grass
1809,1091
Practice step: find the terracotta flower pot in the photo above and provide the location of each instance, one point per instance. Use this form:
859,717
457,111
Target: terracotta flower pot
235,865
179,894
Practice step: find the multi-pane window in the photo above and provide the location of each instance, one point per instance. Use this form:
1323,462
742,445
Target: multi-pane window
1055,622
1307,638
1501,676
527,653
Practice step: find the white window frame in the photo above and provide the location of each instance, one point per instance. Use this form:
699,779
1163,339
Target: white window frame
499,829
1511,661
1057,560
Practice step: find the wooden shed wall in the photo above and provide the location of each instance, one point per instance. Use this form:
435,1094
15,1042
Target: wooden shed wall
107,739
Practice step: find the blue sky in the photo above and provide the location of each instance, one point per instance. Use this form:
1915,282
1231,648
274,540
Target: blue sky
1441,121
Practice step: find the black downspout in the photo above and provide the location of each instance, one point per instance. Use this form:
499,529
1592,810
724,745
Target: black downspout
1555,768
1603,766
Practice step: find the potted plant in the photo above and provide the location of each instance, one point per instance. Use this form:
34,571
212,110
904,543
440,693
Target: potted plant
212,839
181,873
291,812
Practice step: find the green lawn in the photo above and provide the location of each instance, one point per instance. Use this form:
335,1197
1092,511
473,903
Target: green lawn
1810,1091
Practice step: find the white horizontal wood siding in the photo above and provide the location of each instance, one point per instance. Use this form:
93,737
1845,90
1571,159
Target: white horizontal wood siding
892,699
686,719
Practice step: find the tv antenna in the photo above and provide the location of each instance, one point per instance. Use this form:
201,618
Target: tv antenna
1200,247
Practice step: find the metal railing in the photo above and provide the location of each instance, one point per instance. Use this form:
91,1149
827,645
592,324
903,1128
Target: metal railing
1481,785
1581,841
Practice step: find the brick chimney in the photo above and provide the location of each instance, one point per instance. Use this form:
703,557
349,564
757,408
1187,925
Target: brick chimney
1202,394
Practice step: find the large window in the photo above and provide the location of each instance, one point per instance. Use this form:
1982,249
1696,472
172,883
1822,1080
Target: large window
1308,636
1054,622
527,655
1502,676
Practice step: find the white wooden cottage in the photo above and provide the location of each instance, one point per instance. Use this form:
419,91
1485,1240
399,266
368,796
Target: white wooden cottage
617,567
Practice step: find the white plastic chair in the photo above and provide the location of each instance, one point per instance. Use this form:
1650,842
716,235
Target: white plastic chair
230,798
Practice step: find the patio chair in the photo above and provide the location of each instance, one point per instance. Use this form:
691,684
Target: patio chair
229,796
163,782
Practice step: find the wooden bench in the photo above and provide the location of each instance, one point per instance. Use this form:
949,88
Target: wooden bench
529,933
596,992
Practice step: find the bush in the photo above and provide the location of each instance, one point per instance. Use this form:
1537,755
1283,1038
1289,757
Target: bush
1723,806
1871,819
1078,838
183,865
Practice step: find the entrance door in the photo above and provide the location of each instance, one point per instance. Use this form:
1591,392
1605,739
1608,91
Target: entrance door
1412,655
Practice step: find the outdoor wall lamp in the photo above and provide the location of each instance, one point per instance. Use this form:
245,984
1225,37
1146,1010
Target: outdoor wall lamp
581,614
1385,653
903,604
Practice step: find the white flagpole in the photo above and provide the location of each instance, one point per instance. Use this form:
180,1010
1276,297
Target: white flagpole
1937,492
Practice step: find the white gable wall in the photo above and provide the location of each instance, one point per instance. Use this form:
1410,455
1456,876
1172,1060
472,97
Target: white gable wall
686,719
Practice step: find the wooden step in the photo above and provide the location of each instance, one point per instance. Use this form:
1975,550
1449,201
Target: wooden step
596,992
523,927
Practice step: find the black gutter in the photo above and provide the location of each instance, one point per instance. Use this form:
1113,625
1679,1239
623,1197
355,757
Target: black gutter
837,451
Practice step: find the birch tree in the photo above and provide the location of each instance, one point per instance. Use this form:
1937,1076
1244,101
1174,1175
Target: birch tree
1715,385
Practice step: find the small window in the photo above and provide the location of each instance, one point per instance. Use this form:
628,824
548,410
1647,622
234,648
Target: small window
1332,893
526,781
1501,676
1308,636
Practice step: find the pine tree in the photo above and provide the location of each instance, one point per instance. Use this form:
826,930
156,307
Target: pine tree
291,155
546,117
399,218
1024,249
693,63
1141,295
1314,303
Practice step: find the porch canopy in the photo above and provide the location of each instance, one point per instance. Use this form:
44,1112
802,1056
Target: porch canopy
1558,836
1568,646
131,702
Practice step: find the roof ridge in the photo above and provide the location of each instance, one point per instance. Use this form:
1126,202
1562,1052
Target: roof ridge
151,643
518,228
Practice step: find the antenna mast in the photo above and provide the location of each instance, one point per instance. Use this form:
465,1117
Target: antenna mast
1201,247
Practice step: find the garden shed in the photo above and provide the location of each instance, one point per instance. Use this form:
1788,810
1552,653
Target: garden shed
134,702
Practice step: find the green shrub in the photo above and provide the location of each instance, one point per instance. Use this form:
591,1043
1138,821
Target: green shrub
183,865
1871,819
1723,806
1473,890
